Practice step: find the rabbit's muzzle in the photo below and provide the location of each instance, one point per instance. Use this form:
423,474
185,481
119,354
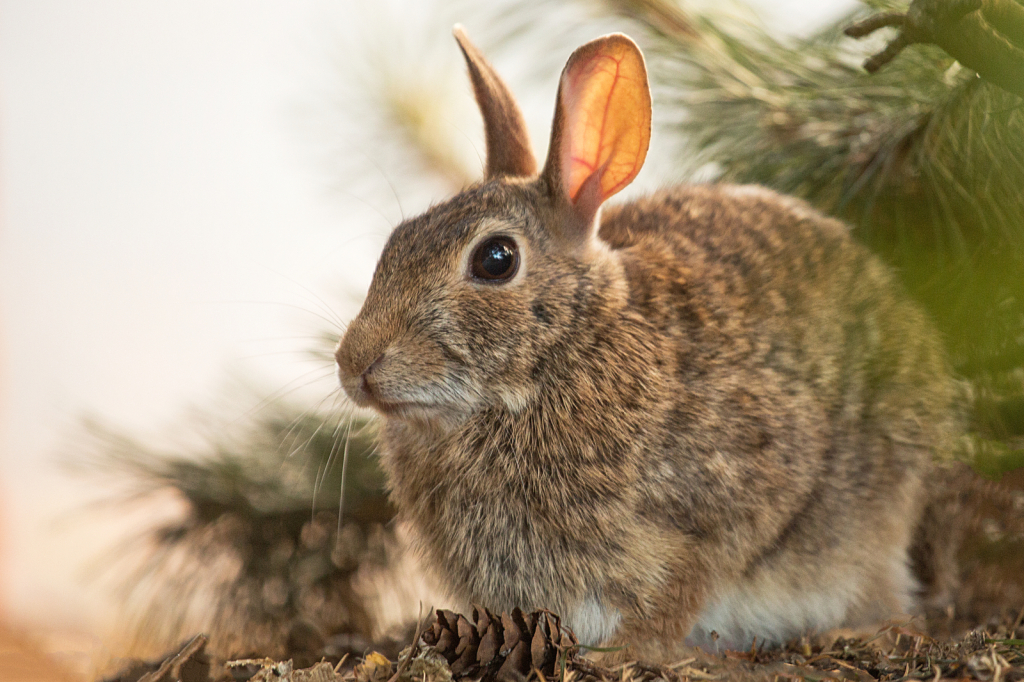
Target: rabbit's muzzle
401,376
364,387
358,361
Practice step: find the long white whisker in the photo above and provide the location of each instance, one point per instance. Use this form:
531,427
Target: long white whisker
372,207
296,421
384,175
322,304
287,389
303,355
344,468
307,441
322,473
328,320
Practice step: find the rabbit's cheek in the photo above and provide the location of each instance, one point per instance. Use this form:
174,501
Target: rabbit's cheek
406,376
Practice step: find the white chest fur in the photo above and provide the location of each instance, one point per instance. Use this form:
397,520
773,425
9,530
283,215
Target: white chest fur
593,622
767,608
772,616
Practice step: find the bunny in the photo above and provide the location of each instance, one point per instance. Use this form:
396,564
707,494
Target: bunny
701,416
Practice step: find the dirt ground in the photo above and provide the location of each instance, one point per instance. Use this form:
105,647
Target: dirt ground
899,651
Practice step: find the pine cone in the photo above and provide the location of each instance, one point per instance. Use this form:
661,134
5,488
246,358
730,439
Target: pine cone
497,648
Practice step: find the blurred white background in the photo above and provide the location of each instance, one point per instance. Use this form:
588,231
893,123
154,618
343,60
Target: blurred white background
167,220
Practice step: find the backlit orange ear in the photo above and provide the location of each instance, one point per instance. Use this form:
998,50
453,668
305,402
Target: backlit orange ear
602,125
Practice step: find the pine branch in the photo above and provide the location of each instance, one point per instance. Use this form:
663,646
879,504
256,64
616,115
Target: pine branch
252,561
662,15
987,36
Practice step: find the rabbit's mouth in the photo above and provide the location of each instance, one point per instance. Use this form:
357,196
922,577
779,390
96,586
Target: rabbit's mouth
393,390
365,391
400,409
369,395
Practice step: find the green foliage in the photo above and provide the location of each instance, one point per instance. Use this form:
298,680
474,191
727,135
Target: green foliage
923,158
992,458
287,461
252,562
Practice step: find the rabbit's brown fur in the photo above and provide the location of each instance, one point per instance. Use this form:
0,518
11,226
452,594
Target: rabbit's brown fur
715,414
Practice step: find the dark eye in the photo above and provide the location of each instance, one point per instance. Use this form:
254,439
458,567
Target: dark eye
495,260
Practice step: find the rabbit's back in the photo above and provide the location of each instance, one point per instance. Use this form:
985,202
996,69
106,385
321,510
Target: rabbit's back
780,287
811,394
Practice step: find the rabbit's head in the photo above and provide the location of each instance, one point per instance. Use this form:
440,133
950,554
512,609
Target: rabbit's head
468,297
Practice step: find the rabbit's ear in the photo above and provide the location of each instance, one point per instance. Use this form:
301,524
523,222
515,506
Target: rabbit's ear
601,130
508,142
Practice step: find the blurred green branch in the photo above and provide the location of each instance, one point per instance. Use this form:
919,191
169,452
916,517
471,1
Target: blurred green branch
984,35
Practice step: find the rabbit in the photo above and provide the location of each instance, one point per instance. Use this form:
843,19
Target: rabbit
694,419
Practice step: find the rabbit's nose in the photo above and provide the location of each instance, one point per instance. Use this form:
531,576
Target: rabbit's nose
367,382
356,355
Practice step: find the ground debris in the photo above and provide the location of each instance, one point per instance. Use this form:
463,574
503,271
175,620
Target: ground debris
482,646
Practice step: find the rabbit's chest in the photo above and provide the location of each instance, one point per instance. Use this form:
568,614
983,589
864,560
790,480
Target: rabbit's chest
509,530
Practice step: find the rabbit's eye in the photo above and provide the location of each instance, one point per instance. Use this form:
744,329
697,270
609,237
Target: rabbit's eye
495,260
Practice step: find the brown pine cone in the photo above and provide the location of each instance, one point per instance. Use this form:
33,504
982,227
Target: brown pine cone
496,648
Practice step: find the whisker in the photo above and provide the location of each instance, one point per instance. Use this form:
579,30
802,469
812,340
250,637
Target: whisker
365,427
324,306
322,317
472,142
303,354
374,208
327,464
344,468
384,175
320,472
296,422
292,337
285,390
308,440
